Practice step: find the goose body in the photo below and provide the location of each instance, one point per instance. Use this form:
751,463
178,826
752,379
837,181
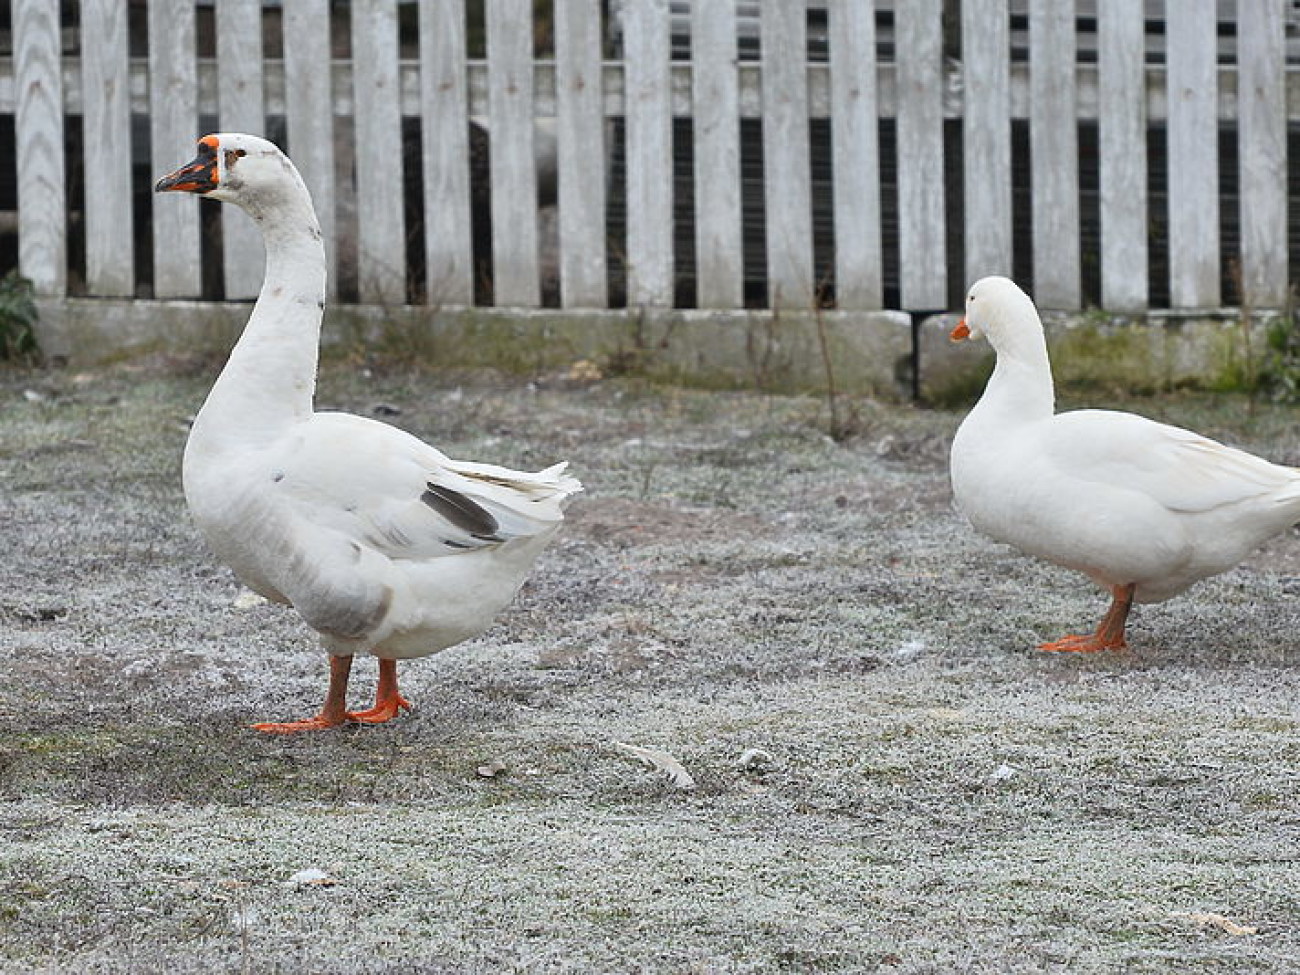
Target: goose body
1143,508
381,543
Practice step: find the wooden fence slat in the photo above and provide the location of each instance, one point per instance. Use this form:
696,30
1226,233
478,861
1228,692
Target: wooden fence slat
381,235
581,147
647,83
787,174
106,112
1193,155
855,147
715,112
173,130
1123,155
239,80
986,137
513,167
923,263
1054,154
1262,138
38,127
309,119
448,235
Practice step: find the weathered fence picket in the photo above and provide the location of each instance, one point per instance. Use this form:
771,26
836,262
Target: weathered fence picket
42,238
581,154
448,234
513,156
1193,156
715,113
1054,154
1261,93
1122,147
986,136
106,139
922,224
859,281
786,183
239,83
649,137
381,233
891,137
173,119
309,117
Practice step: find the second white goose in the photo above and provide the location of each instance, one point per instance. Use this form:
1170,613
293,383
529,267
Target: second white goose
1143,508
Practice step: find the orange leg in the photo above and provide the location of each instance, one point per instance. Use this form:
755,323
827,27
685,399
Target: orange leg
1110,633
388,702
333,711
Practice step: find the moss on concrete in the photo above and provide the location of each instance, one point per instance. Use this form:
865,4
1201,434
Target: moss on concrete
1113,355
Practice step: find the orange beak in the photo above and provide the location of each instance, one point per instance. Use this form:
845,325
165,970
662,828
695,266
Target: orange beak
960,332
196,176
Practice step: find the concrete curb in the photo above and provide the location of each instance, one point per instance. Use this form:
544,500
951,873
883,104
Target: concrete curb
870,353
1162,350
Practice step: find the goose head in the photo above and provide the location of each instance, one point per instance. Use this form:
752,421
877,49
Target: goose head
998,310
237,168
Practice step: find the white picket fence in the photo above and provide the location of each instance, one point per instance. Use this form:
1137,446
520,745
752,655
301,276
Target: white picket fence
923,102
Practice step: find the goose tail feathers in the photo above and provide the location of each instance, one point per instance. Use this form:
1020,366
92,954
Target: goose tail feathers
523,502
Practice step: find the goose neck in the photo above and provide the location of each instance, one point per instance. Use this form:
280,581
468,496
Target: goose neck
269,381
1022,379
1019,391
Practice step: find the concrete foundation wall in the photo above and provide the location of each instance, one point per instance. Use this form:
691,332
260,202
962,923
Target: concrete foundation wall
862,352
868,352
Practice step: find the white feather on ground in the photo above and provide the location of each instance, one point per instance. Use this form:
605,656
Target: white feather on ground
661,761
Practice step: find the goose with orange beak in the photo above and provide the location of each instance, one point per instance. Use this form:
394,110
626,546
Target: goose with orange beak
383,544
1143,508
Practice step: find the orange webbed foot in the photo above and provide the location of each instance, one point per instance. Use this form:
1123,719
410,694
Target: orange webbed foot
388,701
384,710
1109,635
1083,643
332,713
317,723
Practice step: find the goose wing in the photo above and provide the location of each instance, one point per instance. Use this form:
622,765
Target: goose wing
390,491
1177,468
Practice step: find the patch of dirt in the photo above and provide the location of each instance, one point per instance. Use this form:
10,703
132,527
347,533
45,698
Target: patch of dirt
623,523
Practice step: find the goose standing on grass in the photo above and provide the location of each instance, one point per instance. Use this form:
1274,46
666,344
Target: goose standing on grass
1143,508
381,543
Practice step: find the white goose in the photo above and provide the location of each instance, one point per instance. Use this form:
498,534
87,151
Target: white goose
382,544
1143,508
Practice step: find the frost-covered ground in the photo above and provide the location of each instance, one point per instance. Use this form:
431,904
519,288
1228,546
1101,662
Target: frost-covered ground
920,791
